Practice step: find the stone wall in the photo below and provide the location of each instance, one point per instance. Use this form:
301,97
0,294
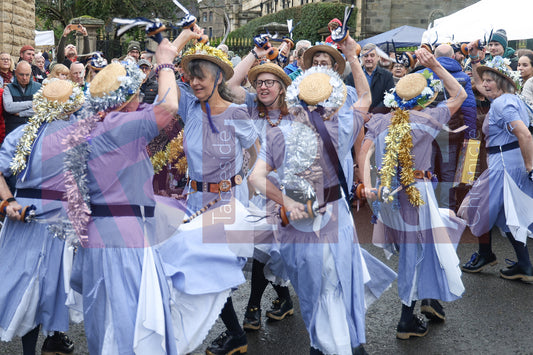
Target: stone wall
17,25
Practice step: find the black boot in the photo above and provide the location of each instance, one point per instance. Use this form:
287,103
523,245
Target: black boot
280,309
227,344
415,327
57,344
252,318
433,310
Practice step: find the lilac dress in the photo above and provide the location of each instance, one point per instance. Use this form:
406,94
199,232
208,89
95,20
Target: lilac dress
426,237
321,256
485,206
31,259
212,157
141,292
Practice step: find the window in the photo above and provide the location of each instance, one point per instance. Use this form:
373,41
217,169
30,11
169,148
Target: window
204,17
210,16
210,32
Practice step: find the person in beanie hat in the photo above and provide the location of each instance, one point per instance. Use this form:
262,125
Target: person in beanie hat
134,50
498,46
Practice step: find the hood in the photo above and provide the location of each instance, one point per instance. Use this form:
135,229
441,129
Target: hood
337,21
450,64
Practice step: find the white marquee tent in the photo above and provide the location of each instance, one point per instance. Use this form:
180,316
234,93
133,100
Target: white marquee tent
44,38
478,20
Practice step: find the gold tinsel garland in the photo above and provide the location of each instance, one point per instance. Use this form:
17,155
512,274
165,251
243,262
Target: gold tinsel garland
399,143
173,152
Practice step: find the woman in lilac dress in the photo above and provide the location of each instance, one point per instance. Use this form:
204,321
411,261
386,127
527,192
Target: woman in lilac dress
408,218
216,133
318,249
32,256
501,197
268,109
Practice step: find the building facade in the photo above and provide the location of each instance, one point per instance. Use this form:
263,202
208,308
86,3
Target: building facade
373,16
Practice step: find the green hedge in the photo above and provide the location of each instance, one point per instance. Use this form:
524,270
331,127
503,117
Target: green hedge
312,17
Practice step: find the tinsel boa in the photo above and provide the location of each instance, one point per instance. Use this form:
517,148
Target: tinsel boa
76,170
173,152
398,158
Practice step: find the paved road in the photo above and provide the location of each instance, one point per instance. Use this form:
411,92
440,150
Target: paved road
495,316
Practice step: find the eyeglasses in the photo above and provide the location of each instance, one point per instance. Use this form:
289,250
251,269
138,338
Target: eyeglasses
5,59
144,68
268,83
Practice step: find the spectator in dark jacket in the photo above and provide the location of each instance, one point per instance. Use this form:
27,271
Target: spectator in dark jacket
447,145
379,79
18,97
149,86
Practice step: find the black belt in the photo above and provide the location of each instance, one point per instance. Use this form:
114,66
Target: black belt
503,148
121,211
331,194
41,194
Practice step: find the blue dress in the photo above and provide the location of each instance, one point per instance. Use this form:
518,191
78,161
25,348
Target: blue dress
33,288
330,272
426,237
485,206
141,292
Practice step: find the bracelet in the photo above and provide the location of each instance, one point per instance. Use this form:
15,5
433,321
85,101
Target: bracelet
474,57
354,60
254,53
163,66
11,199
475,61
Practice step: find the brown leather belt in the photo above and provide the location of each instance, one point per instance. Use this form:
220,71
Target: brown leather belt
216,187
420,174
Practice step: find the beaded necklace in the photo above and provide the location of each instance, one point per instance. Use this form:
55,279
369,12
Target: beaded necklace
264,114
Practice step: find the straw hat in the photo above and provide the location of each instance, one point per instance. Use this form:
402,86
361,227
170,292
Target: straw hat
410,86
58,98
205,52
58,90
269,68
329,49
317,86
106,81
501,67
114,86
413,90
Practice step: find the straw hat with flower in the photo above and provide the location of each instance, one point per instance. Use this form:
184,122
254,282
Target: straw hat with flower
329,49
205,52
269,68
501,66
412,91
114,86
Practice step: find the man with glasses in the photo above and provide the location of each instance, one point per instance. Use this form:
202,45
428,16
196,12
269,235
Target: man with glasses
18,97
6,70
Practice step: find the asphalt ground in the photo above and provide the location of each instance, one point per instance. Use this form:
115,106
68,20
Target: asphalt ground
494,316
